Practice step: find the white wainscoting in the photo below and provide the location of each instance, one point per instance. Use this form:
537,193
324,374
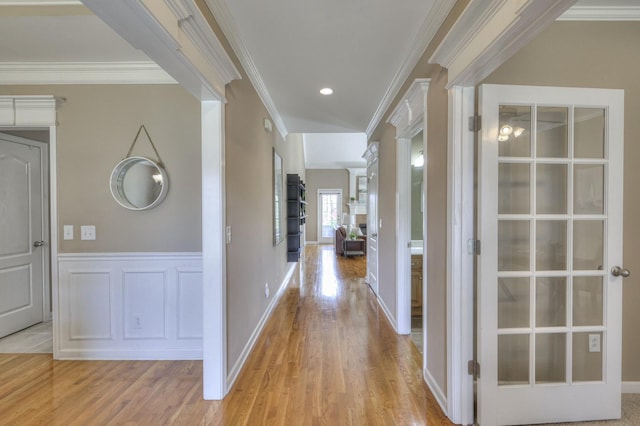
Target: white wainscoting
129,306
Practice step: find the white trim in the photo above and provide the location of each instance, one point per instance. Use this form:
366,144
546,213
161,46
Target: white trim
460,270
230,29
214,273
435,390
630,387
130,256
601,13
138,354
403,234
40,3
246,351
487,33
425,34
387,312
134,72
310,243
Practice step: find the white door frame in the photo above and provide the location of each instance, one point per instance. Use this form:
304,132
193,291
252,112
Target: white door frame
39,113
319,215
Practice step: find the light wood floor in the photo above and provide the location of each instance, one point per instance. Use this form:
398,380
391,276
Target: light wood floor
327,357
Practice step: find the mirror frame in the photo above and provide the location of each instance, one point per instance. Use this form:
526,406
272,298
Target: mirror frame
118,174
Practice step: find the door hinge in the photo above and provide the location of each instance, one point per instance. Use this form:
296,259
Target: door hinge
473,368
475,123
473,247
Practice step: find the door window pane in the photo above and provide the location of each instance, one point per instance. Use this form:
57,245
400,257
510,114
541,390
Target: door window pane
513,188
551,352
588,189
514,134
588,242
329,213
587,301
551,245
513,302
589,132
552,132
513,245
513,359
551,301
587,362
551,189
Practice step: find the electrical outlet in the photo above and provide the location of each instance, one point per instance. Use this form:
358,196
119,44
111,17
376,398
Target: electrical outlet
594,343
136,322
87,232
228,232
266,291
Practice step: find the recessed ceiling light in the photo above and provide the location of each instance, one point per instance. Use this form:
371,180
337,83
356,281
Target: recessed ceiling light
326,91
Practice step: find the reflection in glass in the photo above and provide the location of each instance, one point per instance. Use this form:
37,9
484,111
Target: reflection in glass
587,301
551,189
513,245
551,352
513,359
587,366
589,132
513,188
551,245
588,243
514,135
588,189
551,301
552,132
513,302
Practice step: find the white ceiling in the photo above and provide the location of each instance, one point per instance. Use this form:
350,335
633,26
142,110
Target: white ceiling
363,49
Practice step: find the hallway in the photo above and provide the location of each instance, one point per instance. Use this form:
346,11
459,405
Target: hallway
327,356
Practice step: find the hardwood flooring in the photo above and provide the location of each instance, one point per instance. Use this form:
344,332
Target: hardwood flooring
327,356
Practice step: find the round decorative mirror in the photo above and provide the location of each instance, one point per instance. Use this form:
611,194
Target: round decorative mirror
138,183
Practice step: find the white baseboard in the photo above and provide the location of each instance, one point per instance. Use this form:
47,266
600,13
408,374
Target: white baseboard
237,367
138,355
630,387
310,243
387,313
440,396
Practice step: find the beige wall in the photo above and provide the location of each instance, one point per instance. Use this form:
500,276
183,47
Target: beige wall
600,55
97,125
252,259
323,179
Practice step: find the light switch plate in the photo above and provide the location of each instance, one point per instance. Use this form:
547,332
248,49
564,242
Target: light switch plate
88,232
594,343
68,232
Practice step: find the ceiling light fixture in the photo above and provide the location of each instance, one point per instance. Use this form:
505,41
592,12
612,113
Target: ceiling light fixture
326,91
506,130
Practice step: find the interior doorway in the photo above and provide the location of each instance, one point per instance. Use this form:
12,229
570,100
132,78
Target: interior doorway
416,252
25,285
329,213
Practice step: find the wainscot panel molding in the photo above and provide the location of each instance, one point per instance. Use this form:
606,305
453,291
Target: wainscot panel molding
129,306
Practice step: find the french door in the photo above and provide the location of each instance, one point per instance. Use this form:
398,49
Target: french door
550,224
329,213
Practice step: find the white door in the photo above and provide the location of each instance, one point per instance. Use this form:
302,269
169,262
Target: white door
372,225
21,234
550,224
329,214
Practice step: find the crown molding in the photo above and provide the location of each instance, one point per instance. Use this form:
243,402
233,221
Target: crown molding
147,72
230,29
435,17
487,33
601,13
409,113
40,3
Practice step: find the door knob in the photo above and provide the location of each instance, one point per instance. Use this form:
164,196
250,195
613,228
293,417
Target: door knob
617,271
38,243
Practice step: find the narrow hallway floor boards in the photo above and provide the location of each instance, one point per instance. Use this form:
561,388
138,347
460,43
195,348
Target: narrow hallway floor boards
326,356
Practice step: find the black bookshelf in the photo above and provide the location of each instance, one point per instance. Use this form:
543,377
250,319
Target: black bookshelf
296,216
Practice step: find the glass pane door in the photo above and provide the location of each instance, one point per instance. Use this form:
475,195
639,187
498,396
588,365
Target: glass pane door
548,246
330,211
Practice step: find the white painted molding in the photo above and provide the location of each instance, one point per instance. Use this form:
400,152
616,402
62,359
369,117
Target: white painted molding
310,243
425,34
198,30
40,3
487,33
436,390
630,387
246,351
141,72
138,354
130,256
408,116
601,13
230,29
372,152
28,110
